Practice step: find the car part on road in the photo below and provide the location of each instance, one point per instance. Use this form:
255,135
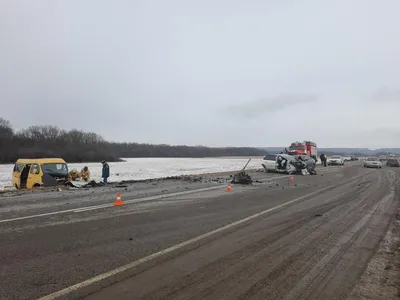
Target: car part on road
242,177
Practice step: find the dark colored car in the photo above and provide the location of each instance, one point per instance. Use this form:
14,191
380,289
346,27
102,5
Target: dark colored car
393,162
353,158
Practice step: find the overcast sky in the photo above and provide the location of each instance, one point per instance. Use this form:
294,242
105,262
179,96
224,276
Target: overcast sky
209,72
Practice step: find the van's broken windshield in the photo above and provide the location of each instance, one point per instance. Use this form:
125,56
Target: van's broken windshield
60,170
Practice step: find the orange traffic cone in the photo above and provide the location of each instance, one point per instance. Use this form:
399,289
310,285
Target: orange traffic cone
229,188
291,179
118,201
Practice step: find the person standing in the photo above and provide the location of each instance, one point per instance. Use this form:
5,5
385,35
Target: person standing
105,172
323,159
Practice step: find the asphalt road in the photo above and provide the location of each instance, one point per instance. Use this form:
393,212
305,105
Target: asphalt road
309,239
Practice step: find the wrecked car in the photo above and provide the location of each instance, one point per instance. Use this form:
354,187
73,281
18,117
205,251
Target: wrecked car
31,173
288,164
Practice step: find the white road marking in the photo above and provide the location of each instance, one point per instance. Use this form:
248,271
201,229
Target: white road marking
138,262
107,205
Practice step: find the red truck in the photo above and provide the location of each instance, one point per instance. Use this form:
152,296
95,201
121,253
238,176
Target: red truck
304,148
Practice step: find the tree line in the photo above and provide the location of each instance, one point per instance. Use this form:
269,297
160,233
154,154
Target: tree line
79,146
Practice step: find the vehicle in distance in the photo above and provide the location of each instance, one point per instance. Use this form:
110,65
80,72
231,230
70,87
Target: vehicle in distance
335,160
347,158
393,162
304,148
382,157
353,157
372,162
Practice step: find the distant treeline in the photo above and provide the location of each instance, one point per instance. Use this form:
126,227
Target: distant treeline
78,146
357,154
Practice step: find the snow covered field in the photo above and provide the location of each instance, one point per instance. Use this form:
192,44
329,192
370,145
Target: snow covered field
146,168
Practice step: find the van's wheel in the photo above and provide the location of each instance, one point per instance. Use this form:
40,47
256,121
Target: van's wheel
36,185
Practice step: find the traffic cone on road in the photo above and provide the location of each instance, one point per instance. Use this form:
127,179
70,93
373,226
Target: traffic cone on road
291,179
118,201
229,188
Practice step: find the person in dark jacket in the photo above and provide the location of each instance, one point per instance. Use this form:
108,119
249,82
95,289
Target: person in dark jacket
323,159
105,172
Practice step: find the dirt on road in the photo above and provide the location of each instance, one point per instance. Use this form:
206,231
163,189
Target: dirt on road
331,236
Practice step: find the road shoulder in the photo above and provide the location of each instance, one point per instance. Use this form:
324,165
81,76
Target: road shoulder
381,279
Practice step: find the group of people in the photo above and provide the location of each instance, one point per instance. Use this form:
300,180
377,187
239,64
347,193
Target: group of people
84,174
75,175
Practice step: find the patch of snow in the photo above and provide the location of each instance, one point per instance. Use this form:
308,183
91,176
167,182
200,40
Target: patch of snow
147,168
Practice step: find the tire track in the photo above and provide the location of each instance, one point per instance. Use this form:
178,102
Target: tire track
339,265
286,273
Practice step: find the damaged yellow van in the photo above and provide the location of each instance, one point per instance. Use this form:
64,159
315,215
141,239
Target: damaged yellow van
31,173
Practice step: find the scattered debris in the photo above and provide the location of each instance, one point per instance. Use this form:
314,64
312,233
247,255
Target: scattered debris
318,215
242,177
192,178
312,172
83,184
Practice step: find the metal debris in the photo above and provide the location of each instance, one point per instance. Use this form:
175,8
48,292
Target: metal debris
242,177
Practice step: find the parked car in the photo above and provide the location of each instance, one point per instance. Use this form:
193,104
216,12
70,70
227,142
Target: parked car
382,157
335,160
347,158
353,157
372,162
393,162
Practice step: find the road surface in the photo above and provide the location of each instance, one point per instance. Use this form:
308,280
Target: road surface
313,238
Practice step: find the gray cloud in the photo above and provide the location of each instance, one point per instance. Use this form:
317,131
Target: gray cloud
160,71
266,106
